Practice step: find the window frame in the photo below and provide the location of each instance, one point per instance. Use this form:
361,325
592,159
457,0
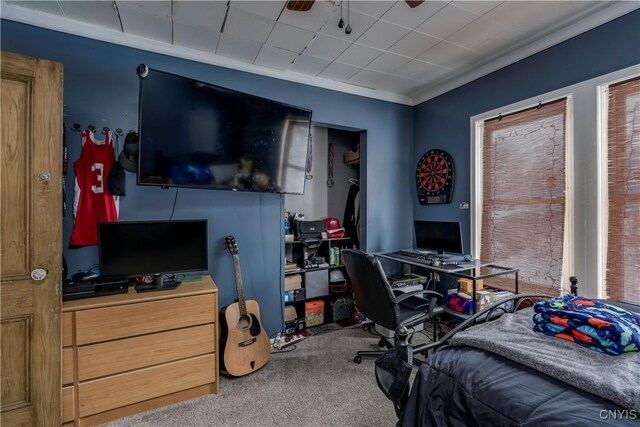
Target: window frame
584,130
603,174
477,186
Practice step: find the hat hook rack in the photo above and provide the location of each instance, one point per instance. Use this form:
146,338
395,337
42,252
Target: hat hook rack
77,128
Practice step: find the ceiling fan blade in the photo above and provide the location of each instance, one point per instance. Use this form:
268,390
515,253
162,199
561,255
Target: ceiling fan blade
300,5
412,3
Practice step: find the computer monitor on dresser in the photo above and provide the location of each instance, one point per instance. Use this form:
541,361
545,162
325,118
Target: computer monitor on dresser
152,248
439,236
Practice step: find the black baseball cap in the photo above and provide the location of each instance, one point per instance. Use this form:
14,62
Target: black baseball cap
128,157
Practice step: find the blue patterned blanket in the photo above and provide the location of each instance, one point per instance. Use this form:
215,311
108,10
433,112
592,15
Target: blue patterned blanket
591,324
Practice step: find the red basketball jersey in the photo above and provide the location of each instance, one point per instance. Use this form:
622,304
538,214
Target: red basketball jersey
92,202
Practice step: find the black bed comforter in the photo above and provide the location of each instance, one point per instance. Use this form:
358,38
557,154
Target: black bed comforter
462,386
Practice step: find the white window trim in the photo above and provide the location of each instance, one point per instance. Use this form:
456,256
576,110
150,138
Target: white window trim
603,175
585,262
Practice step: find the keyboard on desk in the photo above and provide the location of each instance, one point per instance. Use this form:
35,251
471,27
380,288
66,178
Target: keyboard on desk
410,254
441,260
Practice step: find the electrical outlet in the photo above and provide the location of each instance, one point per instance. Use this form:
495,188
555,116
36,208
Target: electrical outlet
436,277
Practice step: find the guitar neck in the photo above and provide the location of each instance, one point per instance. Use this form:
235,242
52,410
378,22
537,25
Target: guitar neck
239,288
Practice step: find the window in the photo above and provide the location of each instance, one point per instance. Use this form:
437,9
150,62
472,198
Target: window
523,194
623,190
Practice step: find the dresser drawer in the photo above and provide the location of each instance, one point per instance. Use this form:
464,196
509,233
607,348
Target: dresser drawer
67,366
125,389
121,321
112,357
68,403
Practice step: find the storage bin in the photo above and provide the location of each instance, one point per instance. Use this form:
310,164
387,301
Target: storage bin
316,283
290,313
341,308
313,313
292,282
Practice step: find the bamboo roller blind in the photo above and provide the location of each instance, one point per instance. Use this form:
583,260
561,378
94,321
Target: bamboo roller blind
523,209
622,278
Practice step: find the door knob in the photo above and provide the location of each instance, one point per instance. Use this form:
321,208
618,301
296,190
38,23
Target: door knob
39,274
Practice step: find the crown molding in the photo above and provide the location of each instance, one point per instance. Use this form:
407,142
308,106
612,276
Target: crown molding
69,26
598,15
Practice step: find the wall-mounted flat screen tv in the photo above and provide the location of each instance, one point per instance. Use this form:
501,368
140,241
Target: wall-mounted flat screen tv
196,134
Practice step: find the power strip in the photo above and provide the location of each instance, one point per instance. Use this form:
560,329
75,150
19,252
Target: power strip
280,341
293,340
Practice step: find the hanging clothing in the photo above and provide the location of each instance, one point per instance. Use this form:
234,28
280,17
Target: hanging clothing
351,218
93,202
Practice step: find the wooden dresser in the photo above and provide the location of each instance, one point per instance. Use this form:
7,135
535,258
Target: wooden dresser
129,353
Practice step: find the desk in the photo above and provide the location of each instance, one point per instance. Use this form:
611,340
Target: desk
463,269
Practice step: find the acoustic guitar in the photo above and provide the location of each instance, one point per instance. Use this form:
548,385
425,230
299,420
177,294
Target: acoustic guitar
244,340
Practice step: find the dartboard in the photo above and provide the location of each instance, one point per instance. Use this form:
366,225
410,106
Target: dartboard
434,177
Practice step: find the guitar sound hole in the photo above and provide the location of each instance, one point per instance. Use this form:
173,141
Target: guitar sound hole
244,322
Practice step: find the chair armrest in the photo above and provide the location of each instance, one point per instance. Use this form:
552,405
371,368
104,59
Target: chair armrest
406,295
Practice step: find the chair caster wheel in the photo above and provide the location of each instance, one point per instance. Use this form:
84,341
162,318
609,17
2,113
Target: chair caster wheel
357,359
382,343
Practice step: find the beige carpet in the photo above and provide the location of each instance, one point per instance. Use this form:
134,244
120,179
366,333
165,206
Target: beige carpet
317,384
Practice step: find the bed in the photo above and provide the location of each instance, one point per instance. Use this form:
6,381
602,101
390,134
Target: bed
500,372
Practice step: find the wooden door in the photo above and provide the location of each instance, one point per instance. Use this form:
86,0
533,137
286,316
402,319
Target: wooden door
31,239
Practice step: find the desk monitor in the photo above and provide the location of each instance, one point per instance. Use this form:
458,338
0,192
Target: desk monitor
144,248
440,236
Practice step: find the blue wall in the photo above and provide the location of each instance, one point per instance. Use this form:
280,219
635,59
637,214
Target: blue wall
444,122
101,88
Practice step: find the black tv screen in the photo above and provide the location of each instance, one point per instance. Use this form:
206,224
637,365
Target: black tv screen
140,248
196,134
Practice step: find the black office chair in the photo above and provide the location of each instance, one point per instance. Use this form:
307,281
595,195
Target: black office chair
377,301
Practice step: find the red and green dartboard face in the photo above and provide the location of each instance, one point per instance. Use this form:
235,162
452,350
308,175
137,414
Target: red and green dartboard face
434,177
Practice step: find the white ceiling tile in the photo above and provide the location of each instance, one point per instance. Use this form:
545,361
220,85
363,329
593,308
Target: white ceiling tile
311,20
414,44
372,8
366,78
420,71
245,25
156,7
193,37
99,13
388,62
500,43
475,33
477,7
529,16
401,14
290,38
397,84
447,21
268,9
309,64
359,24
205,14
240,49
450,55
326,47
272,57
359,55
338,72
41,6
150,19
382,35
